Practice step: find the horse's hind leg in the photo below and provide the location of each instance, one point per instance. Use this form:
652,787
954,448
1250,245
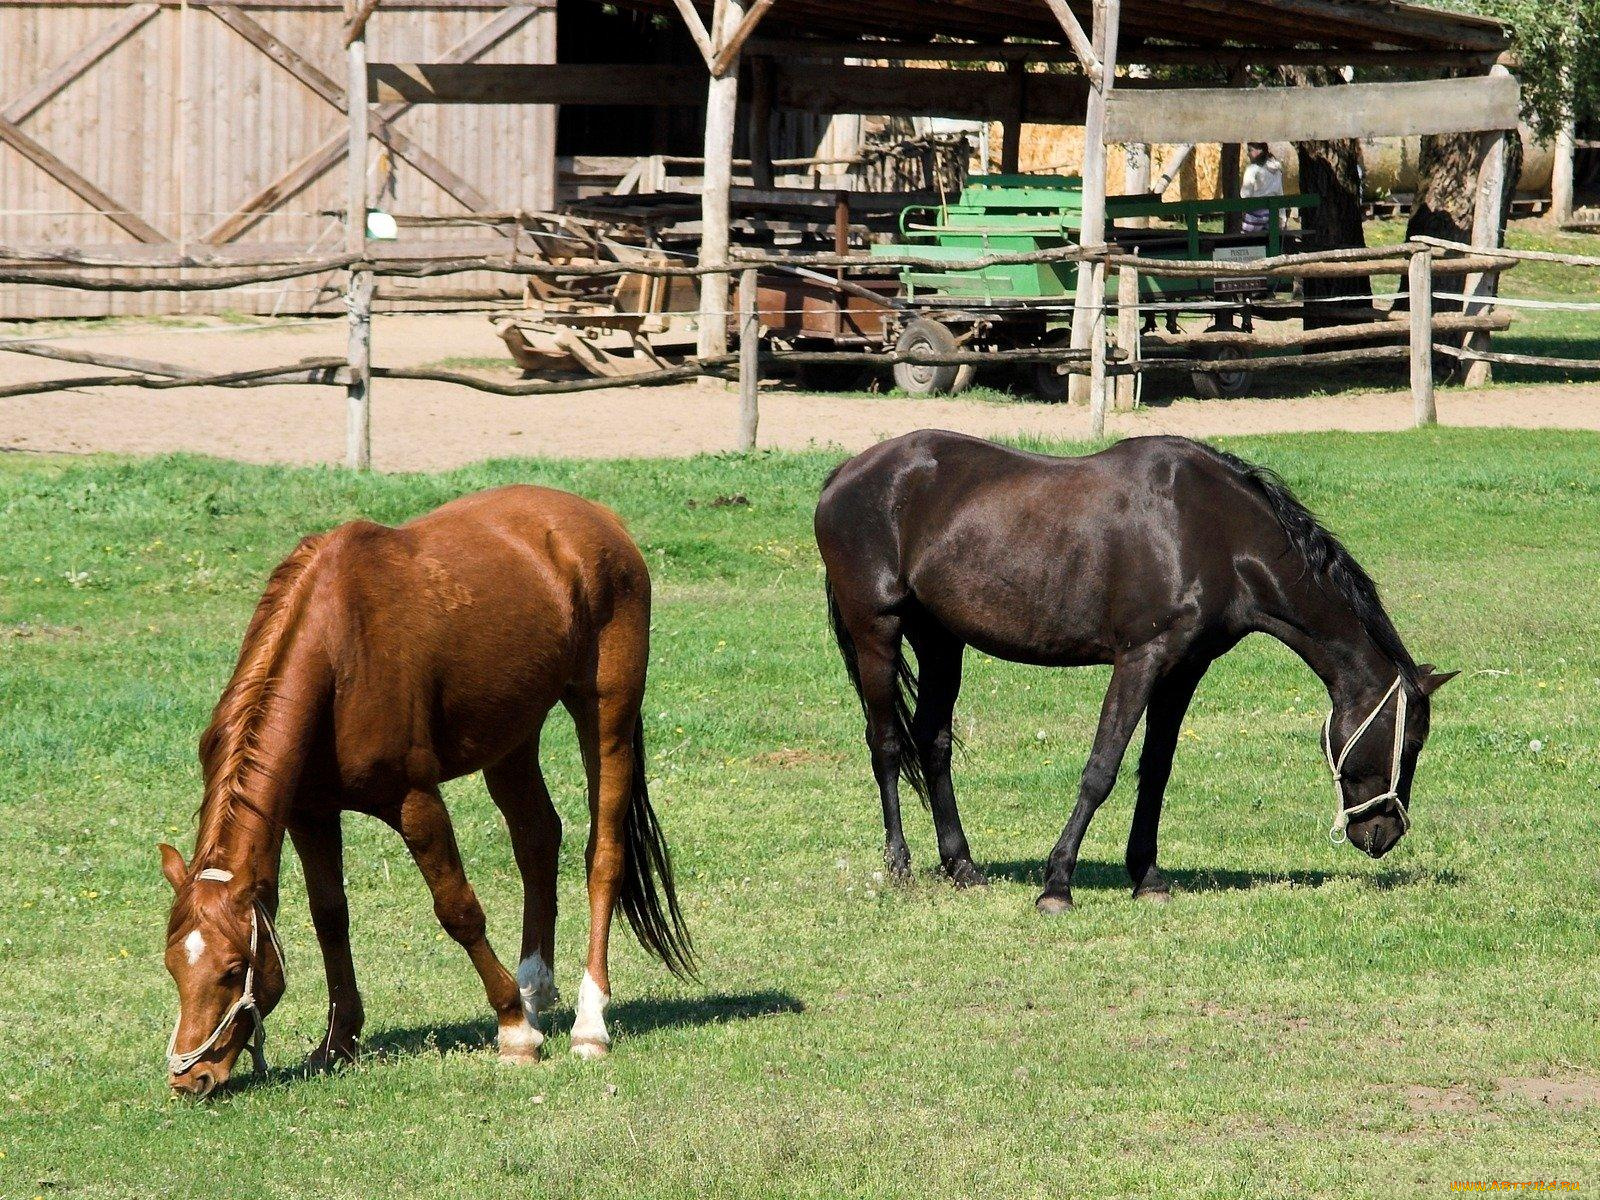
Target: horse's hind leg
319,841
425,825
1169,701
878,649
518,788
939,683
607,724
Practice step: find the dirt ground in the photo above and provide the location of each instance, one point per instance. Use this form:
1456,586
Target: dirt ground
422,426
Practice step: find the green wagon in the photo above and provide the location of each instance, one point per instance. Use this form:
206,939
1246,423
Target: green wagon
1028,305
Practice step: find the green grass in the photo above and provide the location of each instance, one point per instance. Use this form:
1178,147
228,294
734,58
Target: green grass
1267,1034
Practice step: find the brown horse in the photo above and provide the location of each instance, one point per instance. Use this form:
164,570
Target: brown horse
381,662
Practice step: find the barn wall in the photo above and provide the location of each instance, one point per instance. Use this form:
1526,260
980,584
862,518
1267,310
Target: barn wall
185,119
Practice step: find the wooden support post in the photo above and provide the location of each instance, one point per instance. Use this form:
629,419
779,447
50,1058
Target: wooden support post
749,360
761,123
1127,335
1419,275
358,298
1011,131
1096,271
1089,305
1561,173
722,106
1487,234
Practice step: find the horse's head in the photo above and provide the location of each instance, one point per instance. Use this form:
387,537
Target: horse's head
1373,771
223,953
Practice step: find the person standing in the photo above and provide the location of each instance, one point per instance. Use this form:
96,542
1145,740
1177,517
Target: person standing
1262,177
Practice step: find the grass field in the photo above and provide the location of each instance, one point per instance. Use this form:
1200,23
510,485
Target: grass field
1301,1021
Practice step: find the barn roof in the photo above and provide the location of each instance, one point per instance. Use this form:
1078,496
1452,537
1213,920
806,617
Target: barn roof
1349,24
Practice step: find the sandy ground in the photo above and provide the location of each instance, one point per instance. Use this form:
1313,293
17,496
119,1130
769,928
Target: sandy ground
420,426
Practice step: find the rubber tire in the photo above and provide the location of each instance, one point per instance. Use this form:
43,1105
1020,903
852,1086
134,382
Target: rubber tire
918,380
1221,385
1044,381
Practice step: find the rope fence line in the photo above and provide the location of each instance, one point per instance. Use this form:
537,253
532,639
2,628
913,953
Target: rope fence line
1129,357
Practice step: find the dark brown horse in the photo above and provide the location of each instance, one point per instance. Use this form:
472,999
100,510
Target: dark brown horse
380,663
1155,556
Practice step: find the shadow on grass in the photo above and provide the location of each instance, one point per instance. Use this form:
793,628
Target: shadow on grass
624,1016
1102,876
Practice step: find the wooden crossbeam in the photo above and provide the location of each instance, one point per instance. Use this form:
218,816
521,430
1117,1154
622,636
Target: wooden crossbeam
728,52
1078,40
323,158
1289,114
697,31
111,209
42,92
91,52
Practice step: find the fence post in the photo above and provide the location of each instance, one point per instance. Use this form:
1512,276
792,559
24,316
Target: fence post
1127,334
1419,276
358,387
749,360
1097,346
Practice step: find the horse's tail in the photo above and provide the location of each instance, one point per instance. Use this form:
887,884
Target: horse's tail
649,897
905,692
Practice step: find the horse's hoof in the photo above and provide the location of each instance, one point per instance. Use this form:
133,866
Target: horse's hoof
1154,895
519,1043
898,866
588,1049
327,1058
1053,906
966,875
519,1058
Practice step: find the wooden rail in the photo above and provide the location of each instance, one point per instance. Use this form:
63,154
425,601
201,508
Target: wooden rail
1111,363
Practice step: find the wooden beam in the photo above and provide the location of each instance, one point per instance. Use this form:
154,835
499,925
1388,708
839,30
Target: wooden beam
697,31
75,64
730,48
1488,232
1078,40
1301,114
1051,98
1561,172
1419,276
1088,309
323,158
1226,57
722,111
111,209
648,84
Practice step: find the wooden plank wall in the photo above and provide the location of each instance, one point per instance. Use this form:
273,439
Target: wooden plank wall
183,120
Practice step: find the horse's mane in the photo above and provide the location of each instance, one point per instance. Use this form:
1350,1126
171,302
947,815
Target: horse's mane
1327,560
230,746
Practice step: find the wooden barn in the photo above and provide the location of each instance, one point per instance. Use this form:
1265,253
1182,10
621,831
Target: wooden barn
219,125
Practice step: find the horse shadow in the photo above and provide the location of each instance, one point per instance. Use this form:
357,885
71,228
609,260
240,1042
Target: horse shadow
1104,876
629,1017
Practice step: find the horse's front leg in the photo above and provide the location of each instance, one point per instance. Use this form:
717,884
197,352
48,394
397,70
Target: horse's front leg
425,825
319,841
1132,679
1169,701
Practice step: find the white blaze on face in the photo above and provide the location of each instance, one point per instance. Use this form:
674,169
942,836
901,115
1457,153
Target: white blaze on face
589,1036
194,946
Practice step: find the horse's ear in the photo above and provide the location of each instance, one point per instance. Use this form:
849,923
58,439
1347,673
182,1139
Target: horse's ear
172,866
1432,680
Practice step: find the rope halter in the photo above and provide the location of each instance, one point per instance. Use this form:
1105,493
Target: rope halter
1342,815
178,1063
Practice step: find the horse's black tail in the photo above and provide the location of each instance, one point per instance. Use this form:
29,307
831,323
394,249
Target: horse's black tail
905,693
649,898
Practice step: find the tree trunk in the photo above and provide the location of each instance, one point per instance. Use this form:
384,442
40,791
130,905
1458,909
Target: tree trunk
1331,171
1447,184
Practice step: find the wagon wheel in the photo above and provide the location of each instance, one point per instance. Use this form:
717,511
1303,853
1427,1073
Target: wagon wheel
1218,385
923,379
1046,382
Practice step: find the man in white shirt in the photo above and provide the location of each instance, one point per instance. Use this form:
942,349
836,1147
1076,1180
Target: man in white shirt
1263,177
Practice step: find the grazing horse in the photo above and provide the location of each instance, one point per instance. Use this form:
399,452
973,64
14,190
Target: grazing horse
1155,556
381,662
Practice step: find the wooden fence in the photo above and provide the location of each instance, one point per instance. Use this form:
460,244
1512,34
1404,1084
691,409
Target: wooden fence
1110,362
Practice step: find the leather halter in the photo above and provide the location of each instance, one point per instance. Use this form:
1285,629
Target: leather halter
178,1063
1342,815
